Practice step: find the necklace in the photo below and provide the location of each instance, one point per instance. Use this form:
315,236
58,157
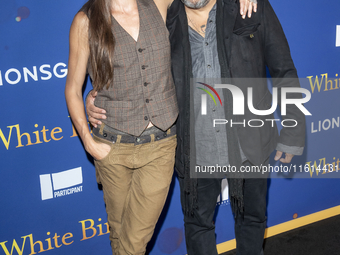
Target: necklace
200,30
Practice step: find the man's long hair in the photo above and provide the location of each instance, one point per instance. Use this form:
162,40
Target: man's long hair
101,43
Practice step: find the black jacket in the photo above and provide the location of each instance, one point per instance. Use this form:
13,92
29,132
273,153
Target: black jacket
245,48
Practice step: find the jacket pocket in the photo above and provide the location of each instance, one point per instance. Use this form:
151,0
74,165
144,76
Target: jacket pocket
246,30
245,47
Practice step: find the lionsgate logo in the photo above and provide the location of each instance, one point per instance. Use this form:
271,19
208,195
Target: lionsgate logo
43,72
239,104
61,184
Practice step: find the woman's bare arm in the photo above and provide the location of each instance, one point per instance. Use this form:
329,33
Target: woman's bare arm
78,58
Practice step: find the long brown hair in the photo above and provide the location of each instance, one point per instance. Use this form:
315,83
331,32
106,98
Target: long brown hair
101,43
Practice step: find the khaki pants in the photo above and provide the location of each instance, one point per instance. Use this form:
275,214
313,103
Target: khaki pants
136,180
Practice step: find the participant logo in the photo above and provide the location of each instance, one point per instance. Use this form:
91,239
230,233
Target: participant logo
61,184
337,42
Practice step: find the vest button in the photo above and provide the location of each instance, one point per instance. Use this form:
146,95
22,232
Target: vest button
144,67
147,100
140,50
146,117
146,84
105,135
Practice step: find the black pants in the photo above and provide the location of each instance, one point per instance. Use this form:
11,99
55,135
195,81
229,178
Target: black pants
249,229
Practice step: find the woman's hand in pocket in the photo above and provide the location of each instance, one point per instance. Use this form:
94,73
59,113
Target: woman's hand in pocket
97,150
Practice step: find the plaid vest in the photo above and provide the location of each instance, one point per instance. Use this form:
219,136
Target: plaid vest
143,90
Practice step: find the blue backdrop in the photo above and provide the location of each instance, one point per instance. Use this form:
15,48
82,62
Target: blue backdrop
50,201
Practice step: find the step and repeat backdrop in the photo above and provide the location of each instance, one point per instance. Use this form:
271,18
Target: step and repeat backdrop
50,202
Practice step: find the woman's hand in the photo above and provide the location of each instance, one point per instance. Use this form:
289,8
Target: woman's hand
97,150
247,6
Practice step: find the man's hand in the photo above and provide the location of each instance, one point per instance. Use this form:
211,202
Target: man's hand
287,159
94,113
247,6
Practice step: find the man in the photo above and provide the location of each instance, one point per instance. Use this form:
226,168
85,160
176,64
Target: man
209,39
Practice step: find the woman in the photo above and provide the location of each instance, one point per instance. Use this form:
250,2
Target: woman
123,44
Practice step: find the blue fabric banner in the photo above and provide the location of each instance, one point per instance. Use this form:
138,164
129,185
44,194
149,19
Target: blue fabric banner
50,201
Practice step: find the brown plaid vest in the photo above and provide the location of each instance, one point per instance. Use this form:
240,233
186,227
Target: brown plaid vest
143,89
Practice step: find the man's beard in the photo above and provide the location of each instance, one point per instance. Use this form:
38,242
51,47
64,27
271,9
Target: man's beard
195,4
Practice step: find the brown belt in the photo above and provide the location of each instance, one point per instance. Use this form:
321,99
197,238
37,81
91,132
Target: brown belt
148,135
